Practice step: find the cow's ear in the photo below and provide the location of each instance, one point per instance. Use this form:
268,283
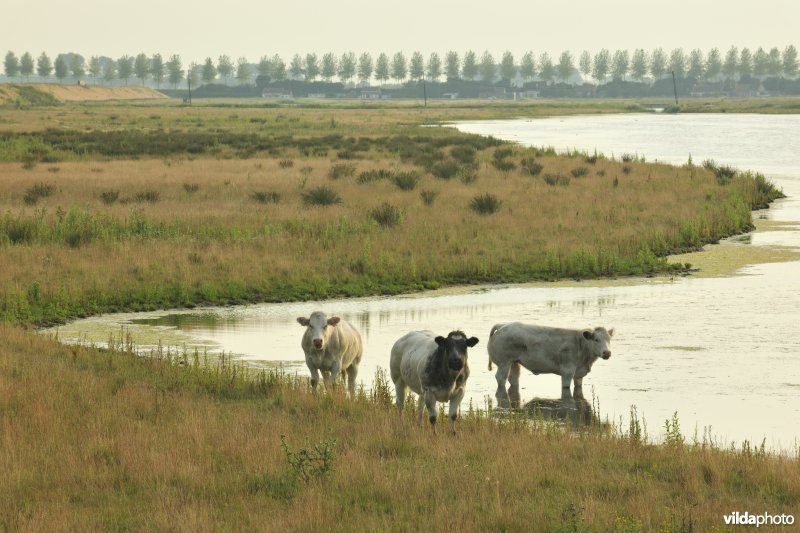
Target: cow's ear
332,321
472,341
440,340
303,321
611,332
588,335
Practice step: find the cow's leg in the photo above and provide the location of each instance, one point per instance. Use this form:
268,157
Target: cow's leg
501,376
336,370
430,403
352,372
326,378
513,389
566,378
577,393
420,408
400,390
314,376
455,404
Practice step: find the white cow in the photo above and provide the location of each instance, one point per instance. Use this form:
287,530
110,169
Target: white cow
570,353
332,346
433,367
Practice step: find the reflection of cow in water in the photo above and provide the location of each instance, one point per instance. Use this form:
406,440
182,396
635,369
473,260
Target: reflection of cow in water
575,414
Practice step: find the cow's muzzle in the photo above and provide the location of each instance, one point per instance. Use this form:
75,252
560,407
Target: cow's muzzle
606,354
455,364
317,344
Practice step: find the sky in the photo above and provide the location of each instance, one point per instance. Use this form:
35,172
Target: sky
243,28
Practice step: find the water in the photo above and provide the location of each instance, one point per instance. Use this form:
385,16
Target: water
721,352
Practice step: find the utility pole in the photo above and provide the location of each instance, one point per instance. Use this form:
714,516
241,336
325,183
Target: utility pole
424,93
675,87
189,84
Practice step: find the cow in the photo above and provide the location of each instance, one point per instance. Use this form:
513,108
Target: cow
570,353
332,346
434,367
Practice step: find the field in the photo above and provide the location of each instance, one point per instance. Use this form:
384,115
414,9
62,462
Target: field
152,205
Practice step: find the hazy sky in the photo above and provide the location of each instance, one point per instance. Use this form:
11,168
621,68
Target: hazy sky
200,28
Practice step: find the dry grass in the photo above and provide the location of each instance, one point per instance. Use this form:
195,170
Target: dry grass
93,440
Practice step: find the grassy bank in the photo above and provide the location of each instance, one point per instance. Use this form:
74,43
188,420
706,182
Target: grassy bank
133,208
100,440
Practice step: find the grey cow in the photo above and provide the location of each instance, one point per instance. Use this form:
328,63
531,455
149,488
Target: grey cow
433,367
332,346
570,353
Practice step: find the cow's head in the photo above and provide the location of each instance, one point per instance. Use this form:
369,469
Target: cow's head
455,348
599,341
318,324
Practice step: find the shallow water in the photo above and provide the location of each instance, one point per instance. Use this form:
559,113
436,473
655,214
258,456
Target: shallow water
722,352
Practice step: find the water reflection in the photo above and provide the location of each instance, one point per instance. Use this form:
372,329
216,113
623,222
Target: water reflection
575,414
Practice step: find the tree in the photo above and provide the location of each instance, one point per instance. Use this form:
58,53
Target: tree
296,68
264,67
382,68
774,63
365,67
109,70
312,67
125,68
658,63
566,66
488,69
141,67
328,66
546,69
399,69
11,64
434,70
677,62
760,63
242,70
527,68
469,66
452,65
639,65
417,66
278,71
209,72
193,77
713,64
620,65
508,70
696,64
174,70
44,67
95,68
600,65
790,65
745,67
77,66
347,67
26,65
585,64
731,65
61,67
157,69
224,67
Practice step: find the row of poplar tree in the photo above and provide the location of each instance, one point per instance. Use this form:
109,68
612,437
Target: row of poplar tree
602,66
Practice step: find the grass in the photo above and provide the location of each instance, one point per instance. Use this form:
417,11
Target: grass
97,440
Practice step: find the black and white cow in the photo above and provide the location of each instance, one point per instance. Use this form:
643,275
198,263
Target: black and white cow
434,367
332,346
570,353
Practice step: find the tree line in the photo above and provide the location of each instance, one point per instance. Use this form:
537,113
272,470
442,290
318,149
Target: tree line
622,65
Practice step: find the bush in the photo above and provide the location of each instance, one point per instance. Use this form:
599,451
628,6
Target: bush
485,204
556,179
723,173
464,154
286,163
369,176
428,196
386,215
191,188
530,166
147,196
501,161
341,170
42,190
406,181
321,196
445,170
579,172
263,197
109,197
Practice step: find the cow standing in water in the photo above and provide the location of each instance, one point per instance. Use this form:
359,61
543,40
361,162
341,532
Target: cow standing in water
433,367
332,346
570,353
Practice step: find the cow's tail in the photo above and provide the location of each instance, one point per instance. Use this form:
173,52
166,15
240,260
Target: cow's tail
492,332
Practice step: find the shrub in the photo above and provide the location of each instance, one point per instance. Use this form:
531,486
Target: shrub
264,197
406,181
191,188
485,204
530,166
428,196
556,179
464,154
626,169
591,159
321,196
341,170
286,163
501,161
446,169
42,190
109,197
386,215
579,172
369,176
723,173
147,196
